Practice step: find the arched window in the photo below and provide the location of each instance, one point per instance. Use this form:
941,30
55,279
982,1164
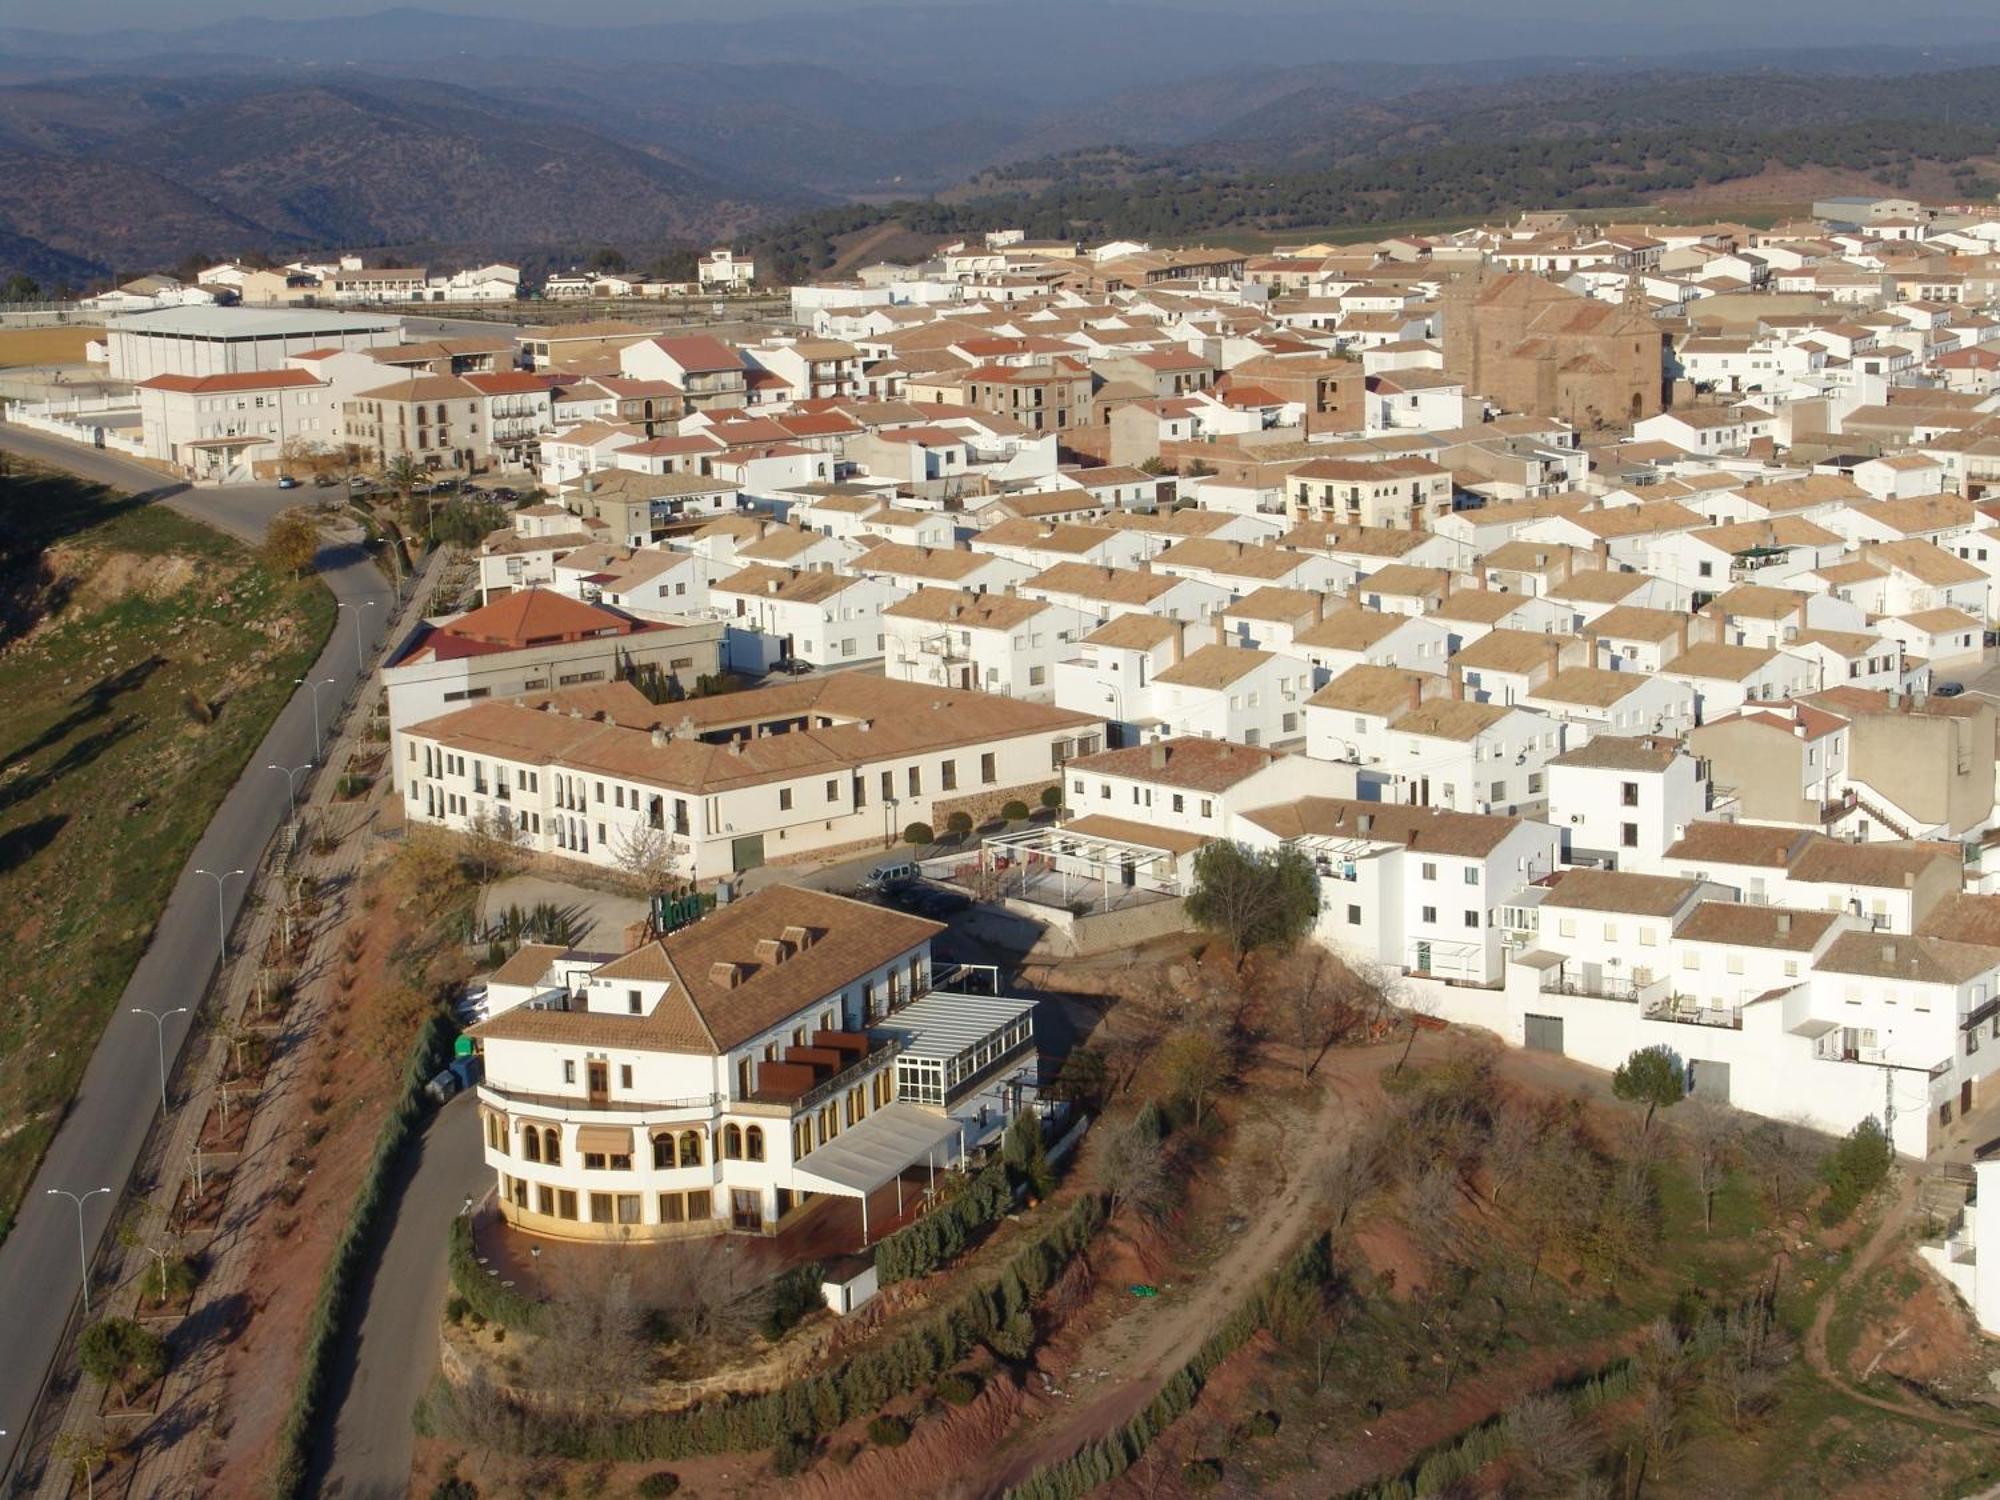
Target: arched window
552,1147
531,1143
663,1152
690,1148
732,1142
753,1143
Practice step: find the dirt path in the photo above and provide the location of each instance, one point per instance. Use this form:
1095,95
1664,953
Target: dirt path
1135,1370
1895,1219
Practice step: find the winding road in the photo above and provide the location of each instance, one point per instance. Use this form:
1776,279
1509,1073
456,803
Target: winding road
101,1137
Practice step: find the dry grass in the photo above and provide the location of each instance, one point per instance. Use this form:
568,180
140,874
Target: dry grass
22,348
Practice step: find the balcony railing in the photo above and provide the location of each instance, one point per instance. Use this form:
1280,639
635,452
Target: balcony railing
582,1103
1688,1011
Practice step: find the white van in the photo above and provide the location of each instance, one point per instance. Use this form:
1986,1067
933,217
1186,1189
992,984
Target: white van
901,872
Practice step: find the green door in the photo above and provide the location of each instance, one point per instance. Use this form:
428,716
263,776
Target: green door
746,854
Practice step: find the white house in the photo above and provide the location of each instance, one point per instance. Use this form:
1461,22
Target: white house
1000,643
1619,801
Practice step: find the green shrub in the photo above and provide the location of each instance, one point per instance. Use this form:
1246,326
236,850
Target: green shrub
888,1432
1854,1169
121,1352
959,823
482,1296
1014,811
1201,1474
1259,1424
658,1485
790,1455
323,1331
455,1309
920,834
1051,797
943,1234
454,1487
794,1295
960,1388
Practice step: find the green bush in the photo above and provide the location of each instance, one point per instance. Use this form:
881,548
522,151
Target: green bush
455,1309
888,1432
454,1487
794,1295
790,1455
329,1314
121,1352
960,1388
943,1234
658,1485
959,823
1014,811
483,1296
1259,1424
920,834
1201,1474
1051,797
1854,1169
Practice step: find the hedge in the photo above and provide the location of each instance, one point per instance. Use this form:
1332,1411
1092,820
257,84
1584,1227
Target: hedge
941,1235
1101,1462
1437,1470
484,1294
810,1408
432,1049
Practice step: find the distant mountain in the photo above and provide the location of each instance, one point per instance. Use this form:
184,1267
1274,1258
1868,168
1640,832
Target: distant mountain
123,174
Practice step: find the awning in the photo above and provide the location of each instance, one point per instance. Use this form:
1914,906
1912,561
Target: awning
864,1156
606,1140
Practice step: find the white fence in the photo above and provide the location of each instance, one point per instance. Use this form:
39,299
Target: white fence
68,421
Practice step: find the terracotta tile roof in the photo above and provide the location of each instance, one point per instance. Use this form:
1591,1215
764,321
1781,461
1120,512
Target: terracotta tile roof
1599,586
1146,835
1351,629
1451,718
1509,651
1716,661
1611,752
1431,830
702,1013
1620,891
1213,667
528,964
1189,762
1742,926
1381,691
1837,862
1103,585
1589,687
945,564
1710,842
1963,917
1925,960
240,380
1630,622
1273,603
969,610
1134,632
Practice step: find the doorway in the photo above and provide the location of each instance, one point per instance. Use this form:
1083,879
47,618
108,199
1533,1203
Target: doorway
746,1209
600,1080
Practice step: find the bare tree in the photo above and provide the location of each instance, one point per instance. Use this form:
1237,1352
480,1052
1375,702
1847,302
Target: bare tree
1311,1009
1433,1207
1783,1157
704,1291
1354,1173
492,849
648,855
1132,1169
1549,1441
1713,1140
593,1353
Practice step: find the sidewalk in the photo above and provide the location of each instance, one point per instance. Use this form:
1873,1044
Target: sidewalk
173,1443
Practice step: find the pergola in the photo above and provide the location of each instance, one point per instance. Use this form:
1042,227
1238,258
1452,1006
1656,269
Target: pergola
875,1151
1107,851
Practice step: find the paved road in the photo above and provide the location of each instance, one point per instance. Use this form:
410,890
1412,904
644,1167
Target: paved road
380,1378
100,1139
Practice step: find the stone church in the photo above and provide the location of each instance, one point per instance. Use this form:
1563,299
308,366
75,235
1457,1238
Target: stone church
1529,345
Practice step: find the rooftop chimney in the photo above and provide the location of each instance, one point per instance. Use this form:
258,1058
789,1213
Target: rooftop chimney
1157,757
1784,922
725,975
660,735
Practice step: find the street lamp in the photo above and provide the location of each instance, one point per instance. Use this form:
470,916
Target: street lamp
360,659
221,919
316,684
159,1020
82,1252
291,775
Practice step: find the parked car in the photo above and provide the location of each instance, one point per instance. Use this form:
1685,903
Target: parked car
1948,689
286,482
792,668
324,481
885,876
470,1008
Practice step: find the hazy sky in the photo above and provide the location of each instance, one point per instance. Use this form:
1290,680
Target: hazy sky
1712,21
